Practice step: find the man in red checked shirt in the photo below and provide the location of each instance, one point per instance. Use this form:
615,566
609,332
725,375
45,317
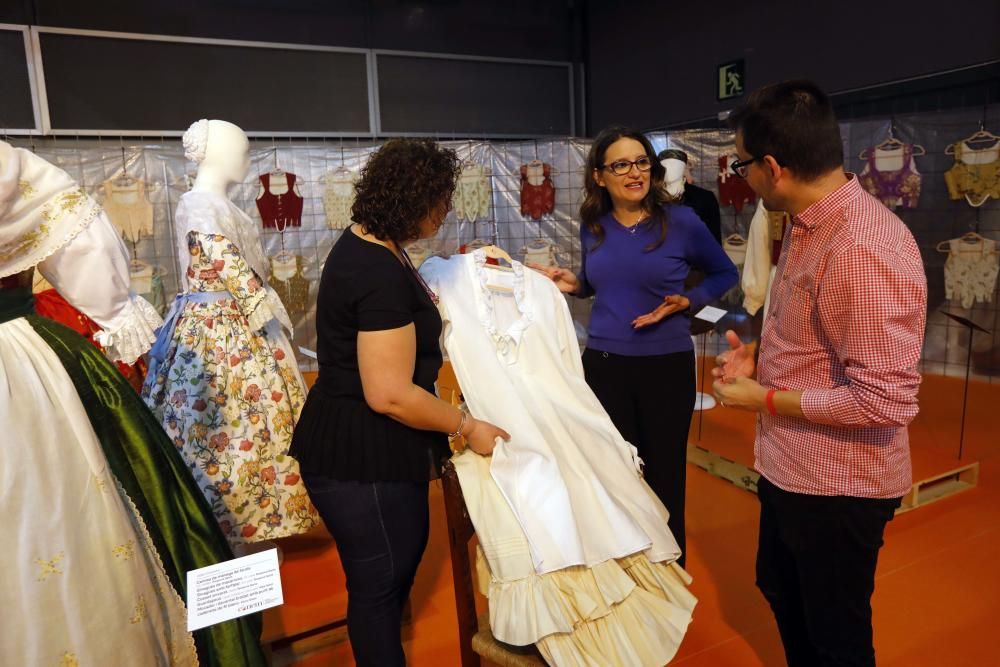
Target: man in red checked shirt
836,378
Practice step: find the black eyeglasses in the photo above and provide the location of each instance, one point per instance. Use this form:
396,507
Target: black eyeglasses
740,166
622,167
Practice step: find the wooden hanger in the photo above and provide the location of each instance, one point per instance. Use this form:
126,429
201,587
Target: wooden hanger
498,253
892,143
970,238
982,136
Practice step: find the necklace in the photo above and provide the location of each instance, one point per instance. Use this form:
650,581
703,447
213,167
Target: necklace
423,283
634,228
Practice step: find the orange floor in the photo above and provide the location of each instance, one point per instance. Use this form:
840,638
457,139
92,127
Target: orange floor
937,596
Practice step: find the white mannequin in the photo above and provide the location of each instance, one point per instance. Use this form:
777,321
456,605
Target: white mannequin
675,163
226,159
222,152
674,180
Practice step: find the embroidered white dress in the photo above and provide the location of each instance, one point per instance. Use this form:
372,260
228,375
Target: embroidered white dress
575,552
82,583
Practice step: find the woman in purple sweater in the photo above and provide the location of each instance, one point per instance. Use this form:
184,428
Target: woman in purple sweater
638,248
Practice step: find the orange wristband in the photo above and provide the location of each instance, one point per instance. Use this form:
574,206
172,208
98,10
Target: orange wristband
769,402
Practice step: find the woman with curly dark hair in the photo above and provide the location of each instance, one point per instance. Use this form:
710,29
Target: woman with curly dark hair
638,247
372,432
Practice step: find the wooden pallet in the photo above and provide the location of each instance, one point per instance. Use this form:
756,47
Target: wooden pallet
723,468
922,493
935,488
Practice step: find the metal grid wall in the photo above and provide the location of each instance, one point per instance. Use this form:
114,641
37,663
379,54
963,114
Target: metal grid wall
162,166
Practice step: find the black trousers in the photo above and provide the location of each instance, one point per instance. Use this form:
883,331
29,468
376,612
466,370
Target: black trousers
650,400
381,531
816,566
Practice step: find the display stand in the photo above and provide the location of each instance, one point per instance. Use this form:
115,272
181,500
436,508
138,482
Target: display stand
702,401
971,326
702,324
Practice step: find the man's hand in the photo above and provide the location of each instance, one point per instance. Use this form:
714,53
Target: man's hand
737,362
741,393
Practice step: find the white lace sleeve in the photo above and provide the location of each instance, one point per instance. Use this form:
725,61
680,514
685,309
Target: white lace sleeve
92,274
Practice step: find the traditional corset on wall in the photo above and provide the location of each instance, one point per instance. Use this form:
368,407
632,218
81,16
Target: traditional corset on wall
279,210
338,197
473,194
892,176
975,174
538,194
287,280
970,272
128,208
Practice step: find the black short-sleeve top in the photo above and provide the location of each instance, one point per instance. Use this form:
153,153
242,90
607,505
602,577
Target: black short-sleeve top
364,287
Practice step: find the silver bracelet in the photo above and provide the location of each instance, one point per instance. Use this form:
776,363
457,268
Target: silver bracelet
461,425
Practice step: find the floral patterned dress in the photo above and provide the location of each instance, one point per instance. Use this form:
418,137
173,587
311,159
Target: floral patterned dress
228,393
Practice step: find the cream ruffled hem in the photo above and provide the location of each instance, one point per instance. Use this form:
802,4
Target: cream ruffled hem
134,333
628,611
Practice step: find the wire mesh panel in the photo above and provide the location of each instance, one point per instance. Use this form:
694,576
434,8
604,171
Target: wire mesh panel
167,175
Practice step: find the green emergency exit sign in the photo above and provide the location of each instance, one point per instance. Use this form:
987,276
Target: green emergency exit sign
731,79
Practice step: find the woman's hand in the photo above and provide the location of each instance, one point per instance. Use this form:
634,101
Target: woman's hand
481,436
565,280
674,303
737,362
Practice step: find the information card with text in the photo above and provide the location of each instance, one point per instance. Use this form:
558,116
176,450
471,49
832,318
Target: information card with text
232,589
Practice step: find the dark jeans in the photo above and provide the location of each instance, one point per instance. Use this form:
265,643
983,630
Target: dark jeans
381,531
650,399
816,566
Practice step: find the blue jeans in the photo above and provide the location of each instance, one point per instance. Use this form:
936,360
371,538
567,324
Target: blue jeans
381,532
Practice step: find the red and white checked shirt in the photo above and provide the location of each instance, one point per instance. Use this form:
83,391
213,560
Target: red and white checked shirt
846,325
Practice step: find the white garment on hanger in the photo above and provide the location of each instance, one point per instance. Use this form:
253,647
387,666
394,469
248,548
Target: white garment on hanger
757,269
970,272
570,479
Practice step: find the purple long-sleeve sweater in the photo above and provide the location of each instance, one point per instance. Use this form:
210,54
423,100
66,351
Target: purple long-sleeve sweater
629,281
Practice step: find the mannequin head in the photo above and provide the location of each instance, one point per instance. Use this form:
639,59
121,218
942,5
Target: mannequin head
675,164
222,152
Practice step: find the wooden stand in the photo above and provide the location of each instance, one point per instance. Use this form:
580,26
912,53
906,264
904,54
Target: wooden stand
935,488
922,493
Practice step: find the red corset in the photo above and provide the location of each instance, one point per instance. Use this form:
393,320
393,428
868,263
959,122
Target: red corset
279,211
733,190
537,200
